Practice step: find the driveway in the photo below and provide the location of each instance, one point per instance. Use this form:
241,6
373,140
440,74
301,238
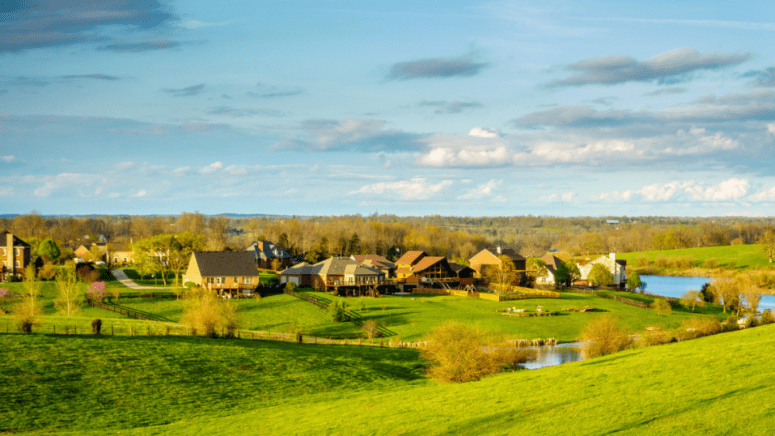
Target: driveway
126,281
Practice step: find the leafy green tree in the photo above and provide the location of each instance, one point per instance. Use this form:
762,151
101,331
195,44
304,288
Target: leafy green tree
536,268
168,253
70,291
767,242
633,281
599,275
692,298
562,275
661,306
49,250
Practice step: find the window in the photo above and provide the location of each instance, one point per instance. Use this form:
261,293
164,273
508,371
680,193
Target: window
4,263
4,252
18,251
17,264
217,280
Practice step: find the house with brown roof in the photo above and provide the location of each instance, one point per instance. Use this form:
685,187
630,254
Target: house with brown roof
465,274
338,273
121,253
417,266
84,251
486,258
227,272
552,262
15,255
378,262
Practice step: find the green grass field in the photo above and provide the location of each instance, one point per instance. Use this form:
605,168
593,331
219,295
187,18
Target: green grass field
728,256
176,386
411,318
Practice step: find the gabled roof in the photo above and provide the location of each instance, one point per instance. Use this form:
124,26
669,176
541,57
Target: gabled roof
458,267
410,257
226,263
510,252
374,260
16,241
427,262
551,260
266,250
335,266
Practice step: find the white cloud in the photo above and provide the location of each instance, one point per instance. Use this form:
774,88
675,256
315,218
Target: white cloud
571,153
733,188
141,193
114,195
473,156
236,170
548,198
67,181
8,159
483,133
767,195
213,167
180,171
481,191
6,192
770,128
415,189
125,165
568,196
499,199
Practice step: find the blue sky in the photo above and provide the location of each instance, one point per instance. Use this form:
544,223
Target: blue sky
329,107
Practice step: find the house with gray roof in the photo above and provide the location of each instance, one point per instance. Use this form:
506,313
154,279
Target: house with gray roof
334,274
264,252
15,256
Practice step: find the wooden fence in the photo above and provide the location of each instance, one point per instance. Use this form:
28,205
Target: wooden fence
629,301
489,296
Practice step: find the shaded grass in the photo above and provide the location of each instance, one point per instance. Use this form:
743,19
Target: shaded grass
110,383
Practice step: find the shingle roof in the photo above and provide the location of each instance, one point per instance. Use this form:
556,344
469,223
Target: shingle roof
266,250
458,267
375,260
410,257
426,262
16,241
335,266
226,263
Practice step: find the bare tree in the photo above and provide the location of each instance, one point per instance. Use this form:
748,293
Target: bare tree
70,291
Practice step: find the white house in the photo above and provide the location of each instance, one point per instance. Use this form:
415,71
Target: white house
616,267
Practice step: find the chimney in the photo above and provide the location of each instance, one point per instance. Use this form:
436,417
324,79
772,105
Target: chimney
9,250
500,251
612,256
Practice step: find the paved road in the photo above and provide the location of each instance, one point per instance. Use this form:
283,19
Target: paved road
126,281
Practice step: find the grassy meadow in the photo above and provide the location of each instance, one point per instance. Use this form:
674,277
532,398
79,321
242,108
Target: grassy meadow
160,386
412,317
737,257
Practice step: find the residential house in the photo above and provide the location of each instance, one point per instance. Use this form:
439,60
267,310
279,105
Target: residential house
378,262
15,256
485,258
465,274
227,272
264,252
121,253
616,267
334,273
84,251
417,266
551,262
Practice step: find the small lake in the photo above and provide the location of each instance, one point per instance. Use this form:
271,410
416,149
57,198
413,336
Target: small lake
551,355
668,286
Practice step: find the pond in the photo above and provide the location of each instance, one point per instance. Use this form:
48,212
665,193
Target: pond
668,286
551,355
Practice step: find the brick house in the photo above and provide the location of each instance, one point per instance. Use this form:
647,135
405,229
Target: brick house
378,262
264,252
417,266
227,272
15,255
334,273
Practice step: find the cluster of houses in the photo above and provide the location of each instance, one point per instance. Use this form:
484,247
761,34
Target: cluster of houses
237,272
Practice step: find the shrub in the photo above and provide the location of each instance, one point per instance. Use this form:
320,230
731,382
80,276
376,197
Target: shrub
661,261
642,260
710,262
96,326
604,335
290,286
336,312
697,327
206,313
97,292
661,306
460,353
767,317
371,327
730,324
657,338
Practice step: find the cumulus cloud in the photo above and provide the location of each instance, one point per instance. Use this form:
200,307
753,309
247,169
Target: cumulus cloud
414,189
8,159
451,107
125,165
483,132
236,170
567,196
189,91
65,181
213,167
731,189
352,134
435,68
766,195
141,193
484,190
473,156
668,67
573,153
6,192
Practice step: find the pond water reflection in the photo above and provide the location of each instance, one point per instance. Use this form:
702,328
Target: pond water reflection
668,286
551,355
